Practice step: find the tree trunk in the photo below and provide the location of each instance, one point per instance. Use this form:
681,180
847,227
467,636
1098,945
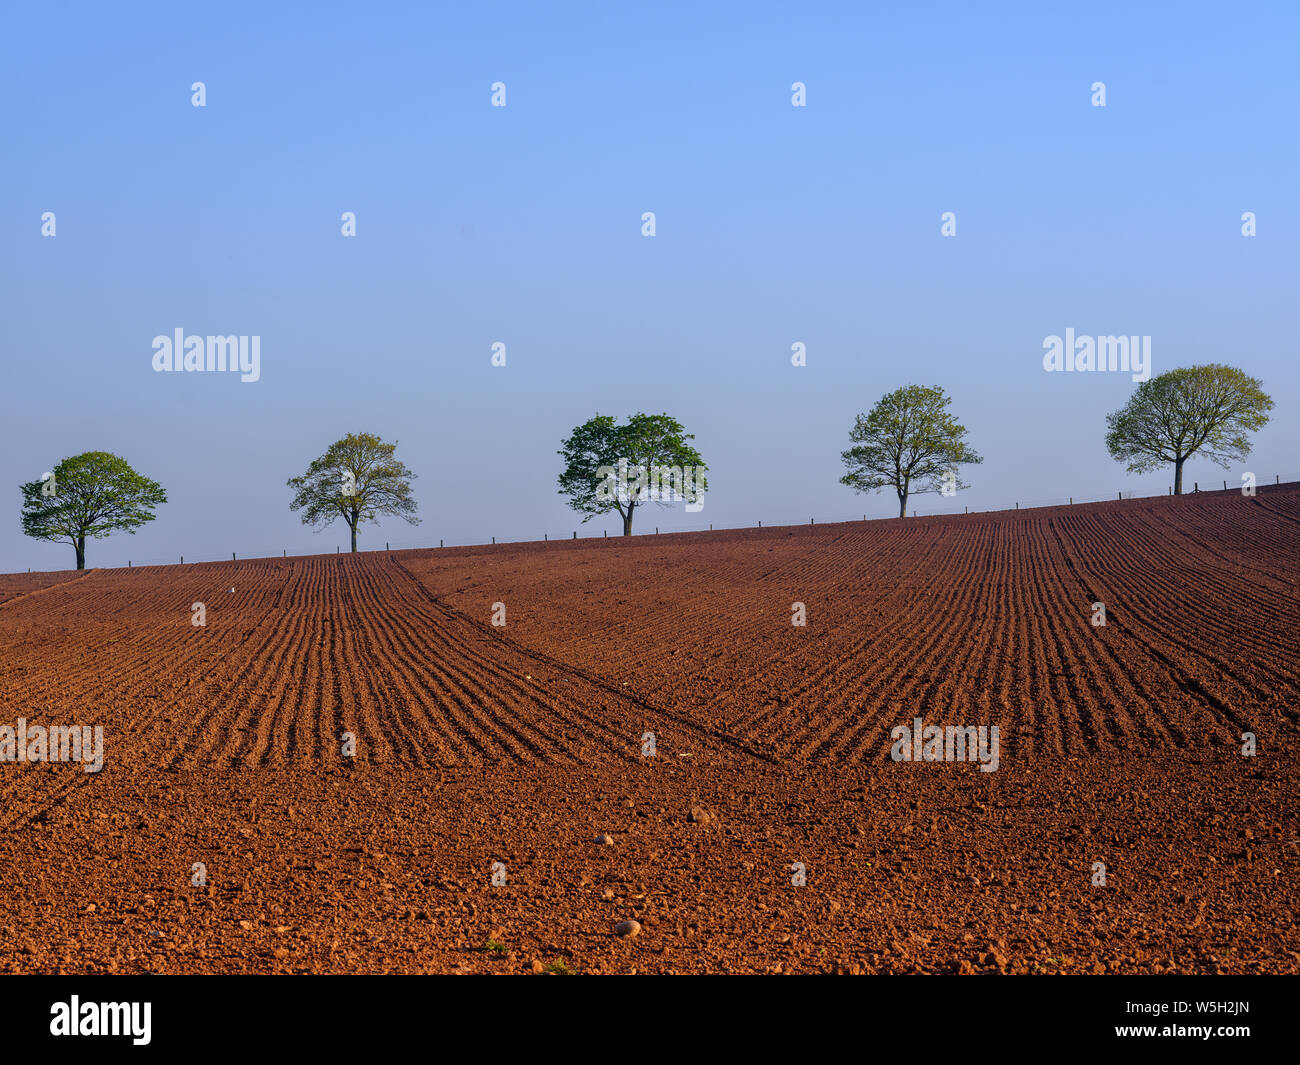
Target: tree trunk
902,502
1178,474
356,520
81,552
354,539
627,520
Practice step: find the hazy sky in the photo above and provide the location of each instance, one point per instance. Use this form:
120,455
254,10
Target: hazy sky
522,225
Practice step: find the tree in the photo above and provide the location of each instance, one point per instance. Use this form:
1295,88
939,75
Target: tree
909,438
357,479
93,494
1205,410
621,467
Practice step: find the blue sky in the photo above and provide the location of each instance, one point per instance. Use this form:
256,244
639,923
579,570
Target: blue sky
522,225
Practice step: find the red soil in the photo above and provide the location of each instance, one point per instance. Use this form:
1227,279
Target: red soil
521,744
15,585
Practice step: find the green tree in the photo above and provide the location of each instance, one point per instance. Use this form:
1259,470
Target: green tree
909,442
357,479
622,467
1201,410
89,495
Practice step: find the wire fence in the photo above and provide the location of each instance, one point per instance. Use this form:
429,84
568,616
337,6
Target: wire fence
913,512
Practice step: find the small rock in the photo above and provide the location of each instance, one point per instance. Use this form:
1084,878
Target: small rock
537,966
628,928
605,839
699,816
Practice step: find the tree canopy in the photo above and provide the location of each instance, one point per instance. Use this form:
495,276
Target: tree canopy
91,495
1200,410
357,479
611,467
909,442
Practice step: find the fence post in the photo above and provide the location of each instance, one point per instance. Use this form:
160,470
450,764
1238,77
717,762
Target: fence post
1119,496
494,539
575,534
1196,486
439,543
606,534
386,545
182,560
1225,486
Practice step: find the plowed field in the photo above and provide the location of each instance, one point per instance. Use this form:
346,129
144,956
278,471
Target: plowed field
351,751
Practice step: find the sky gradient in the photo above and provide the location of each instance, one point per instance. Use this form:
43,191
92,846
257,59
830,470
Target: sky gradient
522,225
